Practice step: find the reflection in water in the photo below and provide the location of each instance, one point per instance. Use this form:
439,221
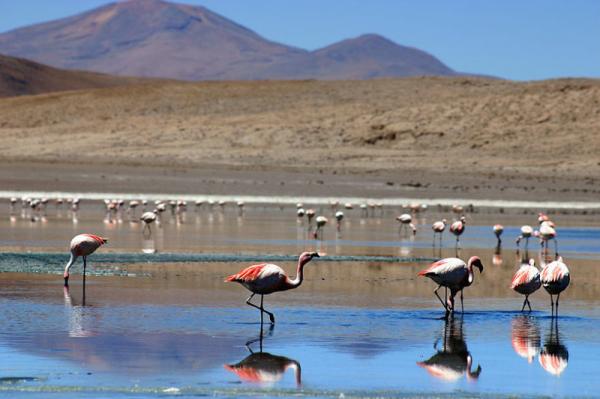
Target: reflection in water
81,319
264,368
554,356
453,359
525,336
497,258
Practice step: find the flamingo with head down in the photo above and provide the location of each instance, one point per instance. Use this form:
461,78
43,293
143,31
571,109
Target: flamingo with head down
452,273
82,245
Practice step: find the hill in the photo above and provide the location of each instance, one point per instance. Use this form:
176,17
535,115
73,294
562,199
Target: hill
19,77
154,38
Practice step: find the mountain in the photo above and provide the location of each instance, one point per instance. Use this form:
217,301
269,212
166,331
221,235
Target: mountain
154,38
19,76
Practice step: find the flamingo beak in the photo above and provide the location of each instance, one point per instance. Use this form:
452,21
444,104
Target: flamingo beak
315,255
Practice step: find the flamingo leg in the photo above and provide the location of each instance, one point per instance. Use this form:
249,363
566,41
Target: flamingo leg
255,306
462,306
524,303
552,304
557,298
556,248
84,266
528,303
438,296
262,309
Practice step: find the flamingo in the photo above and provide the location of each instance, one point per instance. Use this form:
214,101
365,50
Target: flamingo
148,218
266,278
339,216
348,205
526,281
526,233
321,222
555,278
310,214
454,274
498,230
82,245
406,221
300,212
438,228
547,233
458,227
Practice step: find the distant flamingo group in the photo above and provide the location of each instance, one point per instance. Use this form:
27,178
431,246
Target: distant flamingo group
454,274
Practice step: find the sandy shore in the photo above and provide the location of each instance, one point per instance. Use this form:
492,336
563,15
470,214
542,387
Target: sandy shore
420,137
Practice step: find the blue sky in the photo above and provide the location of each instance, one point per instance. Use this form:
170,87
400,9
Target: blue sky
516,39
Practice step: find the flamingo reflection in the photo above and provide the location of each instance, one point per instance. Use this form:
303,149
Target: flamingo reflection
554,356
264,368
453,359
525,336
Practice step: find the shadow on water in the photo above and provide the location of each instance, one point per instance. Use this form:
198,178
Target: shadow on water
262,367
452,359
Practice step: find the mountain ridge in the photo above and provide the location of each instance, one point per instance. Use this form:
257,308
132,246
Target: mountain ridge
156,38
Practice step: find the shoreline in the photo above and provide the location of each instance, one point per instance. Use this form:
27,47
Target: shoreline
313,200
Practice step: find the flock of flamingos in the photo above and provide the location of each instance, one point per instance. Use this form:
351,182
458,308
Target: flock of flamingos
453,274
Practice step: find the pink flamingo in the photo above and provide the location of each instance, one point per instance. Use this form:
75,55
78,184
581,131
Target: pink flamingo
526,233
406,221
438,228
266,278
82,245
498,230
555,278
547,233
526,281
454,274
457,228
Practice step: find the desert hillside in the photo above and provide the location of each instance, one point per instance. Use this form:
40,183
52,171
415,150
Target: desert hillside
19,77
404,127
155,38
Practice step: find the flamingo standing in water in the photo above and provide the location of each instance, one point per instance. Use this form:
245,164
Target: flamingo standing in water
339,216
438,228
321,222
498,230
526,233
547,233
452,273
148,218
526,281
555,278
266,278
457,228
82,245
406,222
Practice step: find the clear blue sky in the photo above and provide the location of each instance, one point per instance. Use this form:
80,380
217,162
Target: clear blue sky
515,39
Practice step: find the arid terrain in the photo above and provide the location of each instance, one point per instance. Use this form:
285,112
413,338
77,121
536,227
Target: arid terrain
426,137
21,77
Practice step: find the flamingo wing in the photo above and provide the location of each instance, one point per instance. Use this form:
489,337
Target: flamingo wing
256,272
522,276
443,267
554,272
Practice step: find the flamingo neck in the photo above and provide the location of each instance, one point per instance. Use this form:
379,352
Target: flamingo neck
299,275
69,264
